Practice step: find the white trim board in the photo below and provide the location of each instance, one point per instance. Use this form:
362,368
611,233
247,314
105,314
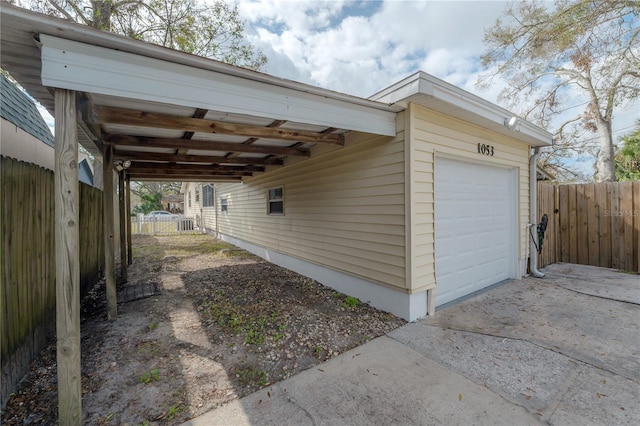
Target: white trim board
409,307
432,92
82,67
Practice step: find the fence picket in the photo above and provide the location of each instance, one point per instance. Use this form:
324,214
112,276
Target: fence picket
626,218
27,268
150,225
598,224
593,224
582,227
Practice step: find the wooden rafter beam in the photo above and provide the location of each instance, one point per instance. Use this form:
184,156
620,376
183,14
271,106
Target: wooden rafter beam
274,124
200,113
190,124
139,141
192,167
184,158
178,171
185,177
87,123
295,145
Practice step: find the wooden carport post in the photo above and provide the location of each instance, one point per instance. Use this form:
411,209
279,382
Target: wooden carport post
67,216
128,194
109,251
123,228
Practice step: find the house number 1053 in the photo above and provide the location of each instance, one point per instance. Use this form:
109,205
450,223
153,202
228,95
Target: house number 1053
485,149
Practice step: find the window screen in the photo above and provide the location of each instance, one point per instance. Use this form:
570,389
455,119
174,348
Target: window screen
275,204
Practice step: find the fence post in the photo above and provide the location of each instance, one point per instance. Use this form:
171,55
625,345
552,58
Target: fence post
109,251
123,227
128,197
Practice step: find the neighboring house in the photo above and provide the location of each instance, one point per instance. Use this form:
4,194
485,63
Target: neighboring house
173,203
199,203
85,172
545,173
24,134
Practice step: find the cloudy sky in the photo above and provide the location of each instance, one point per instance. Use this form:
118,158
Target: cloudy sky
361,47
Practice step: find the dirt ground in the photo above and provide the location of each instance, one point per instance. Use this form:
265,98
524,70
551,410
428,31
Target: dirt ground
225,324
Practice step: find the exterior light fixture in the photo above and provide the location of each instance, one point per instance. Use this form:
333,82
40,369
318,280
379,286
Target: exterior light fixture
121,165
511,122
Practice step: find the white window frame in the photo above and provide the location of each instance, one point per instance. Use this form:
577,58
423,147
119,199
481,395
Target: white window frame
271,201
224,205
206,188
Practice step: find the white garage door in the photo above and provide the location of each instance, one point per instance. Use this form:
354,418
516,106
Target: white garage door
475,227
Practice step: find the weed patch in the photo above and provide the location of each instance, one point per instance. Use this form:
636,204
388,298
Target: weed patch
350,302
150,376
251,376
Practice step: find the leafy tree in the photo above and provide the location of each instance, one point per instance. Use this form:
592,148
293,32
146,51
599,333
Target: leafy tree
149,203
583,52
212,29
628,156
149,188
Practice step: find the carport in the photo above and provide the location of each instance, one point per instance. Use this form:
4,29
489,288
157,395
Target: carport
156,114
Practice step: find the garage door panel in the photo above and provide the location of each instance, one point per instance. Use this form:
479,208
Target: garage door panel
474,222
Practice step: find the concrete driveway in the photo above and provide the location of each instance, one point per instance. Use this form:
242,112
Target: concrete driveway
561,350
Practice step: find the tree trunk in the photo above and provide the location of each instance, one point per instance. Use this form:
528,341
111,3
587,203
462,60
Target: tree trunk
102,14
605,165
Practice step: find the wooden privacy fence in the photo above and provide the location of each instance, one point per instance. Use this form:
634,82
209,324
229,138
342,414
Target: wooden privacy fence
27,267
594,224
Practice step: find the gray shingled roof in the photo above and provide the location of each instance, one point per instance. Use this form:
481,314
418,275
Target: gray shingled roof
18,108
85,175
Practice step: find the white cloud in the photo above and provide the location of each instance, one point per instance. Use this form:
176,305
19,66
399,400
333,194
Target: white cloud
48,118
362,47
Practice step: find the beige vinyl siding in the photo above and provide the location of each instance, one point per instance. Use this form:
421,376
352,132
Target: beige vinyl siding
202,215
434,133
209,217
343,209
194,208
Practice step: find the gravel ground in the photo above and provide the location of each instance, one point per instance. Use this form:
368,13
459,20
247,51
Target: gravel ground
225,324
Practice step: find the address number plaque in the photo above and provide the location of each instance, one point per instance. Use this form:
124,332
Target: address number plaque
485,149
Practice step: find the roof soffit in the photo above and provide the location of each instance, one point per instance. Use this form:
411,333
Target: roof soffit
431,92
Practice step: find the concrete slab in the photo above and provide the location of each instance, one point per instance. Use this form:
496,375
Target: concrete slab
601,282
597,397
380,383
601,332
554,387
521,372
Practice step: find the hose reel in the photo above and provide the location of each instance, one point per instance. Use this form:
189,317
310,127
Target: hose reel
540,229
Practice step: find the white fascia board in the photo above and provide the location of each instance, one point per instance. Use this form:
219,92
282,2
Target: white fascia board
422,83
483,108
77,66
